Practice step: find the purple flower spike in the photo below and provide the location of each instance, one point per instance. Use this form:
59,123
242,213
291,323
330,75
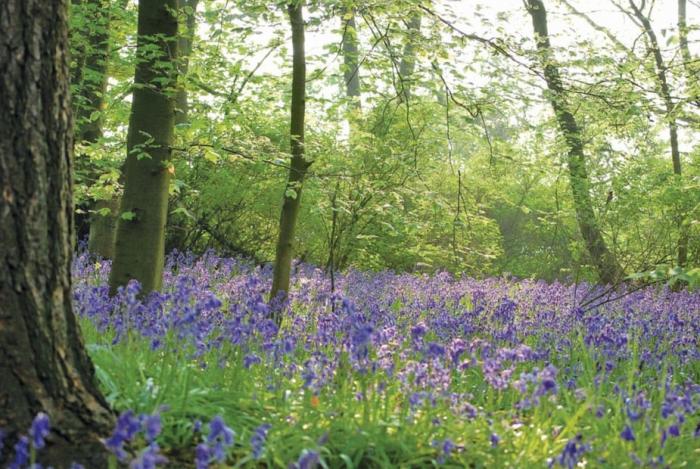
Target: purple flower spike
201,456
21,453
627,434
152,427
257,441
40,430
221,437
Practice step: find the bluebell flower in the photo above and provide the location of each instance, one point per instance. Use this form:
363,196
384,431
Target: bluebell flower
627,434
307,460
495,439
39,430
152,426
201,456
127,426
21,453
571,454
257,441
149,459
221,437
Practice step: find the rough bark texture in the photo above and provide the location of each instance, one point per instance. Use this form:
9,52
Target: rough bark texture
298,167
665,92
139,246
607,267
43,364
184,47
351,62
408,59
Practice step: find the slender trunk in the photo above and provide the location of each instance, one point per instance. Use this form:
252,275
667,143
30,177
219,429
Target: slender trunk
43,363
298,166
184,45
351,70
139,246
408,59
607,267
665,92
89,104
690,67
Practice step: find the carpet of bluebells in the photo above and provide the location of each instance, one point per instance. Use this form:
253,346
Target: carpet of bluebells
392,370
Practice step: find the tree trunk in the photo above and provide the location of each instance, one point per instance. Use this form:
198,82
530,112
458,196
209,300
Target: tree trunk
88,105
351,62
139,247
298,167
408,60
689,65
184,45
43,363
606,265
665,92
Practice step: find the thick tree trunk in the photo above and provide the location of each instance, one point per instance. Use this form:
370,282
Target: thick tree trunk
408,59
139,247
184,45
43,363
606,265
298,167
665,92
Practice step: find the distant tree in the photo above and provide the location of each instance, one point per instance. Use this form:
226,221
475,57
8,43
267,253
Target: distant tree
43,363
299,165
91,73
140,240
670,116
606,265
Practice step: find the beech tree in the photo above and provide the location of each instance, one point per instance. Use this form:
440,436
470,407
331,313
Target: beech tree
92,65
140,239
607,267
43,363
298,165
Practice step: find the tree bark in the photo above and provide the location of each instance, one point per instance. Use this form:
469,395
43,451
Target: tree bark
140,242
665,92
690,67
606,265
298,167
184,44
408,59
43,363
89,105
351,62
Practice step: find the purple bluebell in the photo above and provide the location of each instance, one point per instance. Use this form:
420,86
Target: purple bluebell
39,430
627,434
257,440
201,456
21,453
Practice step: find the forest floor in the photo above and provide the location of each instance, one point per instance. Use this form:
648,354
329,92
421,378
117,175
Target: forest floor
396,370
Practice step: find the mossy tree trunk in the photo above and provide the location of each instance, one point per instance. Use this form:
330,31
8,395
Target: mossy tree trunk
670,108
139,247
43,363
298,165
606,265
